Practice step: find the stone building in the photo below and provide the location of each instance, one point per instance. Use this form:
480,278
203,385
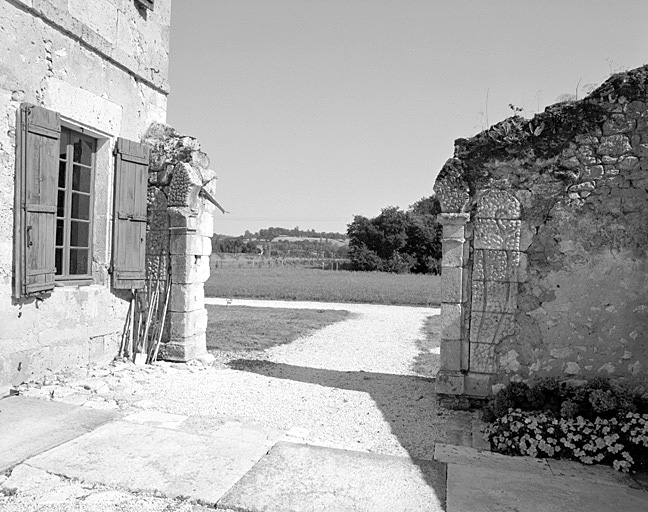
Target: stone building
545,238
81,84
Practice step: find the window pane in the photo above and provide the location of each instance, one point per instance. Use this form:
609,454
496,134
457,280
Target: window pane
60,204
58,261
79,233
80,206
78,261
81,179
61,180
82,149
59,232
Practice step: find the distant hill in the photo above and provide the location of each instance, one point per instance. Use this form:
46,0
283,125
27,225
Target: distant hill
333,241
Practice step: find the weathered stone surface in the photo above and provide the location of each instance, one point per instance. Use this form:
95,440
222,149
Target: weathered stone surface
453,284
454,225
187,323
450,382
150,459
496,265
187,297
451,318
494,296
478,384
489,327
30,426
498,204
184,349
330,479
189,269
451,354
497,234
181,244
482,358
453,253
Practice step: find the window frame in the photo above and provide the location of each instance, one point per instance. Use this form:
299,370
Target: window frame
65,278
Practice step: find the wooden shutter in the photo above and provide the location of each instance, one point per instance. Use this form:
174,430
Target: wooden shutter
37,157
129,228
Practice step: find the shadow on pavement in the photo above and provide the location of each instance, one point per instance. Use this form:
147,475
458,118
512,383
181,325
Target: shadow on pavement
408,403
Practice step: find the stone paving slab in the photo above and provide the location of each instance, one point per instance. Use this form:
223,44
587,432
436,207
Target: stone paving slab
501,487
465,455
307,478
29,426
140,457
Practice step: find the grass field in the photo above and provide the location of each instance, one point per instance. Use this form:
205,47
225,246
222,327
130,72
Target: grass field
299,283
241,328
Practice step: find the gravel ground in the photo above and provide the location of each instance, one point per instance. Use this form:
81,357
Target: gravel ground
351,385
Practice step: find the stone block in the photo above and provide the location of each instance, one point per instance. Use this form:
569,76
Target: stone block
450,355
614,145
184,349
452,284
453,253
497,234
478,384
489,327
482,358
449,383
454,231
206,224
187,324
183,218
190,244
189,269
451,321
187,297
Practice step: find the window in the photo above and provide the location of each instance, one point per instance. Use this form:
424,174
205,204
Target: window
146,3
74,201
53,206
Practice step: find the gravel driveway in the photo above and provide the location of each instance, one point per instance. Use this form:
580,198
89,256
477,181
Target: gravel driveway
365,383
360,384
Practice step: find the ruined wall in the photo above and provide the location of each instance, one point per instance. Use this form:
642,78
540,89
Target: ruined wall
556,275
103,65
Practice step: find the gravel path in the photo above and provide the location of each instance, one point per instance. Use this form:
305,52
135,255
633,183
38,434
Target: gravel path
350,385
361,384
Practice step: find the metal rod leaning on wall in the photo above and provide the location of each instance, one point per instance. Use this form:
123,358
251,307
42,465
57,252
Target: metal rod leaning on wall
158,339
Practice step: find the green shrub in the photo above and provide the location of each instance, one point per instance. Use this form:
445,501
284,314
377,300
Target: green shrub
597,422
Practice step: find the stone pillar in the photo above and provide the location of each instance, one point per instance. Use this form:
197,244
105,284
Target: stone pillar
190,229
496,261
455,342
180,228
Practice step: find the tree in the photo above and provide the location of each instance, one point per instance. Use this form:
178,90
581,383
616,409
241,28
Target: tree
397,241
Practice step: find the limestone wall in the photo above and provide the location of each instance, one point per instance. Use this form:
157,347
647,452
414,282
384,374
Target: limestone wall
555,279
103,65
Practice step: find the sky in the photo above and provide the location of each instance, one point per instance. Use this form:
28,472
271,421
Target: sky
313,111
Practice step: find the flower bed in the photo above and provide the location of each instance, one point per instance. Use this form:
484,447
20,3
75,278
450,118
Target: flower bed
598,422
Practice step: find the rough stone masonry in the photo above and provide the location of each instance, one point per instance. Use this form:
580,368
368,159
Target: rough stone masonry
544,245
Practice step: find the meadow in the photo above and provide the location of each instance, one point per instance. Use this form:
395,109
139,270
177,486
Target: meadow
241,328
274,281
